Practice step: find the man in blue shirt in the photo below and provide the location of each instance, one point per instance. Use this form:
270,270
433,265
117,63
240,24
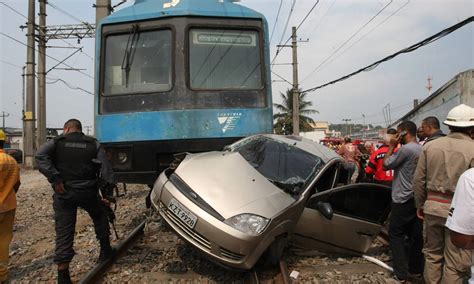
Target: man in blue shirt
406,240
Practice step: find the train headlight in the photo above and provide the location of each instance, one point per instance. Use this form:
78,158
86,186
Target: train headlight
122,157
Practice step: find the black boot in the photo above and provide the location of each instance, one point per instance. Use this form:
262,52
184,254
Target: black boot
106,251
64,277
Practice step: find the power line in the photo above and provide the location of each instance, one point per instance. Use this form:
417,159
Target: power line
365,35
284,29
41,31
16,11
68,85
282,78
299,25
409,49
346,41
323,17
16,40
66,13
11,64
276,21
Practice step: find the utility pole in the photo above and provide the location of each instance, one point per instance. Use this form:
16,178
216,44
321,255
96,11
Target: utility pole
29,129
41,134
296,97
347,126
103,9
3,118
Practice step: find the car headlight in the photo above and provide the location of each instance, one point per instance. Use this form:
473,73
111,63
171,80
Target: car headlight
248,223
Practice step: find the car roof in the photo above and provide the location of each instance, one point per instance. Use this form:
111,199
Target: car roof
304,144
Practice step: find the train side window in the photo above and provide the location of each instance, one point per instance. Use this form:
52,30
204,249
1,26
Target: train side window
224,59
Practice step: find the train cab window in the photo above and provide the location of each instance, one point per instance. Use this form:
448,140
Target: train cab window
224,59
138,62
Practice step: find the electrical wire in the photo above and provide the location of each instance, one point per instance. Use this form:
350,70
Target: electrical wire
284,29
68,85
67,14
323,17
16,40
16,11
346,41
365,35
276,21
299,25
409,49
11,64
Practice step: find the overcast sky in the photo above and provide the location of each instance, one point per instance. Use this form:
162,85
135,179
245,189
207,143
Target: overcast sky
335,37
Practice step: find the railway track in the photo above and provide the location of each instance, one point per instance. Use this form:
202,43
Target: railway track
101,268
254,277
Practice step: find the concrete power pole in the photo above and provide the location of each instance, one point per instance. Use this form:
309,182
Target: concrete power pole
41,135
296,97
103,8
29,129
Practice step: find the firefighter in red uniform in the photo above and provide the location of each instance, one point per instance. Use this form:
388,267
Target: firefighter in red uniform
374,166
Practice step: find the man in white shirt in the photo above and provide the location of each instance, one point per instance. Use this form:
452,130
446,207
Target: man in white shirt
461,215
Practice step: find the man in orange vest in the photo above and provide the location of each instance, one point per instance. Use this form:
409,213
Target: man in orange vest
9,184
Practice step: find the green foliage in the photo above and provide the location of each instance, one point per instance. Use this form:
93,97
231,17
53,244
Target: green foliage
284,117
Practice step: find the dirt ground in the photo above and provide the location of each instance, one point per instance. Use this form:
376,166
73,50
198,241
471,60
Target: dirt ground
160,256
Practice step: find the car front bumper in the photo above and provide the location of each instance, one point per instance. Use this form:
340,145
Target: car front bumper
214,238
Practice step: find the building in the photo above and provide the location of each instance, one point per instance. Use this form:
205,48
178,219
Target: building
458,90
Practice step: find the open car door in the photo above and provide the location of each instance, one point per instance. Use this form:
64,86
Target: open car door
360,211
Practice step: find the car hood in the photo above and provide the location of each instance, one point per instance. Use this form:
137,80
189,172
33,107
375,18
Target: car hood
231,186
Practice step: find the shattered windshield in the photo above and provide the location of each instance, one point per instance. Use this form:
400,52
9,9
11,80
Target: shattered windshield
286,166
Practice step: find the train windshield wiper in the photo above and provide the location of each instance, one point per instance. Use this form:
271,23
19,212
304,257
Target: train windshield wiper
129,52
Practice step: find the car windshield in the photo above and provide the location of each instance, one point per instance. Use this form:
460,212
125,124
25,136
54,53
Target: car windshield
286,166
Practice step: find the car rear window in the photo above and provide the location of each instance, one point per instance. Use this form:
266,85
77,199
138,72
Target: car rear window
288,167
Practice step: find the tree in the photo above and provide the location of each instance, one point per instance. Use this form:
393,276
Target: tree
284,117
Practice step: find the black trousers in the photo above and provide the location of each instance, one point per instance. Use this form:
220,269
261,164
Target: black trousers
65,212
406,240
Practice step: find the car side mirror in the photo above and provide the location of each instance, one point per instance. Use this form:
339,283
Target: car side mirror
325,209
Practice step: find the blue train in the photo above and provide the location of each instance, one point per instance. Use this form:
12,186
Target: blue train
179,76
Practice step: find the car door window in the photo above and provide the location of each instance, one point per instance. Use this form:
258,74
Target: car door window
362,202
327,179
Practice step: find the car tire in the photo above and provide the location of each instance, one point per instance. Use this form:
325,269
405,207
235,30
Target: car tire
271,257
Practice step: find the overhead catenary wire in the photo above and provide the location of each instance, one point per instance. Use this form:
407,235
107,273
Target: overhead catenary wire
297,28
409,49
19,13
346,41
68,85
57,60
276,21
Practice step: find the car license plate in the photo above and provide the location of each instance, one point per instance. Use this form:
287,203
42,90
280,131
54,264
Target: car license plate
182,213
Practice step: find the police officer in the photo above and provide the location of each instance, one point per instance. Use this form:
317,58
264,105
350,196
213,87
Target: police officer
67,163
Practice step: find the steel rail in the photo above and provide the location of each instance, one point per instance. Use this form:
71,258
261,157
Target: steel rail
99,270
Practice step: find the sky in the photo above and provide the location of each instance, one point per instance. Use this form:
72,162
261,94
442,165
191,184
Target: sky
337,38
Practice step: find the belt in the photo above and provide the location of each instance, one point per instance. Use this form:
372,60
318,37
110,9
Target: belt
440,196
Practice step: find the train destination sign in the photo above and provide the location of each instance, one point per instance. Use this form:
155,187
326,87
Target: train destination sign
224,38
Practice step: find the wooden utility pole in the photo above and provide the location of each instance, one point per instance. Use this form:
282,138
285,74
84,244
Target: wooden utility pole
29,129
296,97
41,134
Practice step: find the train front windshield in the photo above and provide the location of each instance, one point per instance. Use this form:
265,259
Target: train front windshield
211,52
138,62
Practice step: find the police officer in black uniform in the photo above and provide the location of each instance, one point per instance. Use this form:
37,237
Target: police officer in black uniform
68,163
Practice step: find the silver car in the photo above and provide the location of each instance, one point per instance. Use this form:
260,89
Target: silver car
246,202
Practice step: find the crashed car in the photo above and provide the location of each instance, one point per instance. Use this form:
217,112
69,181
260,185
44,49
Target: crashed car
245,203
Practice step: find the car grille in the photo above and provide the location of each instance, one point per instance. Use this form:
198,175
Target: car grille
202,241
231,255
199,239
